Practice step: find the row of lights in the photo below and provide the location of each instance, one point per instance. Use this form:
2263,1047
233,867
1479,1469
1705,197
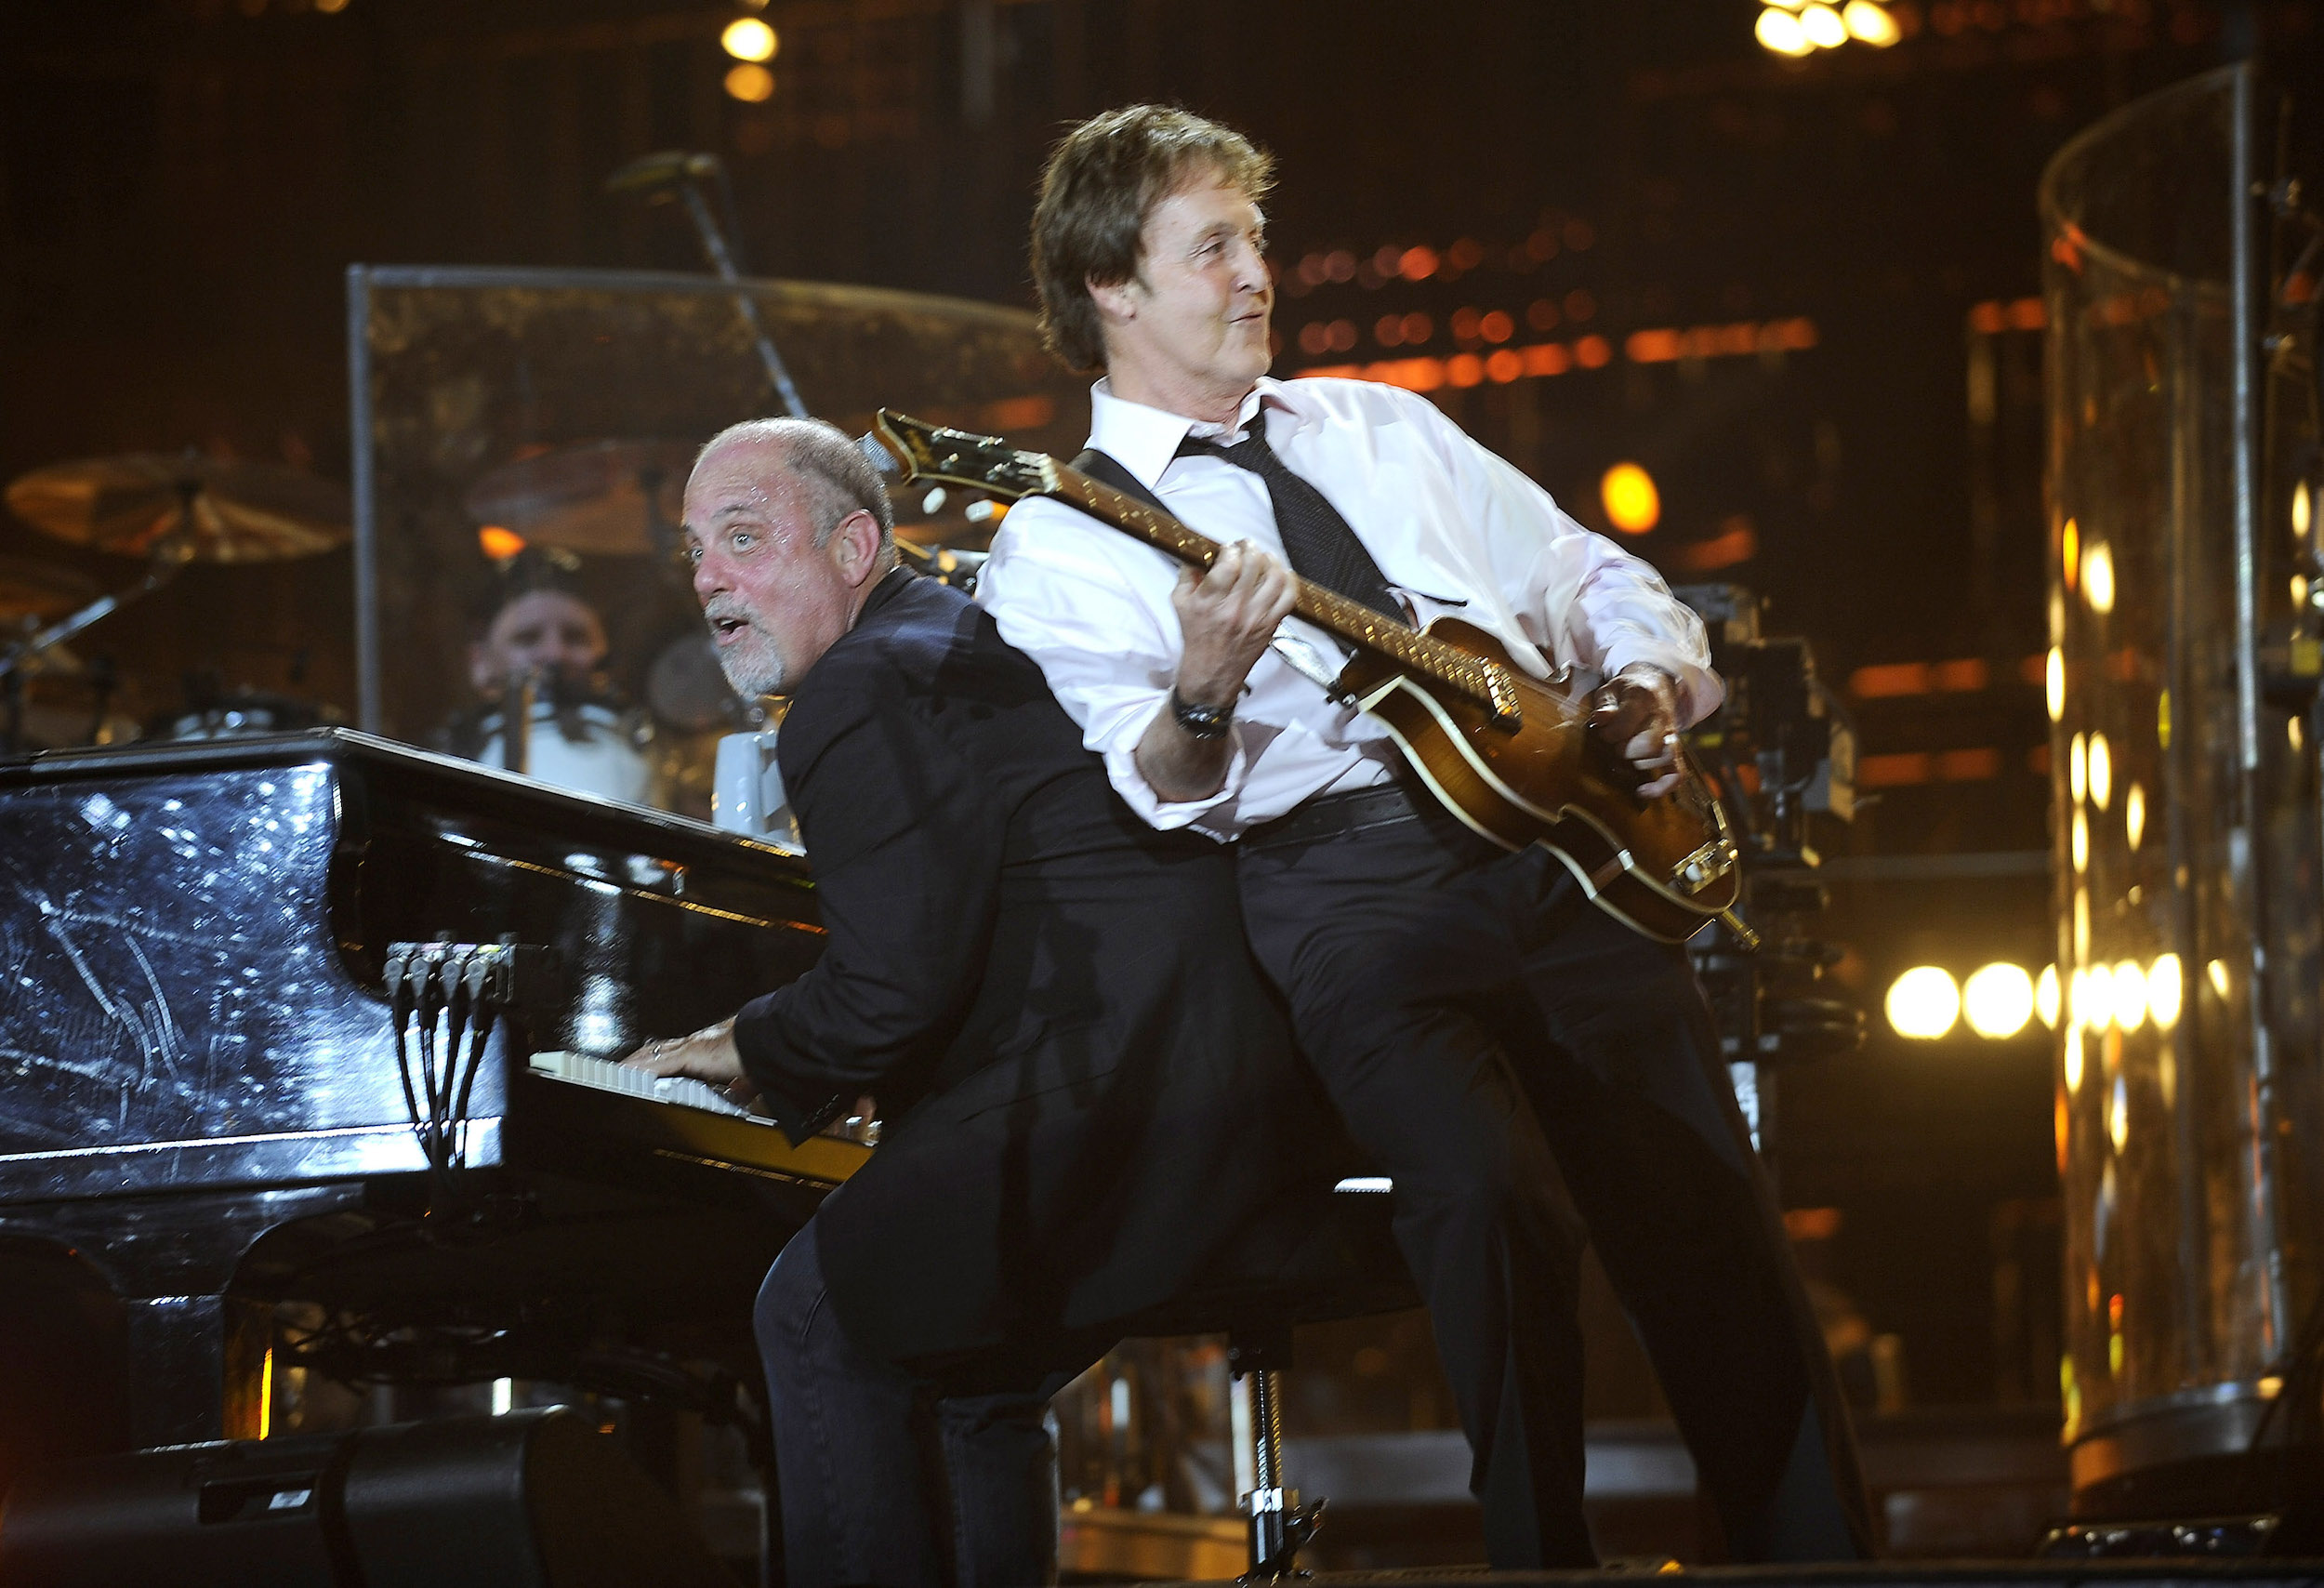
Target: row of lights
1418,263
1999,1000
1802,27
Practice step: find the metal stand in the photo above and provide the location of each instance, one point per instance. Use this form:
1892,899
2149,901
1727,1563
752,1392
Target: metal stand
1280,1525
722,259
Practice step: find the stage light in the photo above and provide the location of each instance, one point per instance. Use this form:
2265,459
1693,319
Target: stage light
2216,973
2166,991
2053,683
497,543
2302,510
2119,1127
2101,772
2078,768
2069,553
2129,995
2080,844
2046,996
1870,23
2073,1058
2135,815
1923,1003
1780,32
2095,1007
751,84
2098,577
748,38
1823,27
2078,997
1998,999
1633,505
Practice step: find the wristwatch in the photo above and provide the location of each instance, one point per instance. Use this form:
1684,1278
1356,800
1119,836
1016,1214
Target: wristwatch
1202,721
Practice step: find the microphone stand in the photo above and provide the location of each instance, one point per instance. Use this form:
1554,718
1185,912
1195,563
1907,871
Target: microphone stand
722,260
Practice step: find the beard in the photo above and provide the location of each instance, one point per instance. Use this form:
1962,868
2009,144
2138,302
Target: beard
752,666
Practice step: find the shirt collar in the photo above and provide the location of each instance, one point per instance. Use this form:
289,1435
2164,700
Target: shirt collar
1144,440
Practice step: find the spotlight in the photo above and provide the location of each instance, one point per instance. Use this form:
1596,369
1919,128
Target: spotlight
2129,995
2135,815
2046,993
2053,683
748,38
2165,991
1998,1001
2101,772
1780,32
2098,577
750,82
1633,504
2078,768
1871,23
1923,1003
1823,27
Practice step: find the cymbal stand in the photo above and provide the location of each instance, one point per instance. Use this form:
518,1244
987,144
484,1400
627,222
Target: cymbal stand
170,554
722,259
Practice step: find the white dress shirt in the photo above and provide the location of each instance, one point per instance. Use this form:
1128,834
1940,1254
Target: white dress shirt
1454,529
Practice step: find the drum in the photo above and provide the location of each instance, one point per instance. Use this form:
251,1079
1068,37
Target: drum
589,749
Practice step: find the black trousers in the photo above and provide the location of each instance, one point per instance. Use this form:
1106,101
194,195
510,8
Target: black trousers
1526,1070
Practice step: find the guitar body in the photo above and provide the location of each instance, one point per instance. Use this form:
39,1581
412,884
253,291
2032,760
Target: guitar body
1662,867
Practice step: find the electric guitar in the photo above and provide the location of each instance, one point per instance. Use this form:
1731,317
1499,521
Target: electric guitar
1509,754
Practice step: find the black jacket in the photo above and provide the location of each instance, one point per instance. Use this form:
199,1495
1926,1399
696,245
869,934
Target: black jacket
1088,1090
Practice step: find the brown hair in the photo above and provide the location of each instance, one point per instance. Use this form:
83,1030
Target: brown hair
1101,181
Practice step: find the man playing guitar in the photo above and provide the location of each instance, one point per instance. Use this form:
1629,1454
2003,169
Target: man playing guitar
1523,1066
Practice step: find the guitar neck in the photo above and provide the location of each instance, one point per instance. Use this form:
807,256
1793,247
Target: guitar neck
1328,610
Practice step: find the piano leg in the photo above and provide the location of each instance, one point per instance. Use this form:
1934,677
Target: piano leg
197,1369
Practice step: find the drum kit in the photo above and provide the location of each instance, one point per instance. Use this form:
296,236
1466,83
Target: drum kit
609,498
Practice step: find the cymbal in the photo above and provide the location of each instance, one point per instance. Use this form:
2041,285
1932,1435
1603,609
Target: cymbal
588,498
41,590
242,513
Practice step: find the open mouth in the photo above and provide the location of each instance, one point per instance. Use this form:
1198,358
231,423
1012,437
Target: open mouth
724,630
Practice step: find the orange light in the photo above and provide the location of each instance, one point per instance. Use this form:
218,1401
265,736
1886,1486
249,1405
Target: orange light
1416,264
1592,352
1504,366
1465,369
1633,504
1497,327
751,84
497,543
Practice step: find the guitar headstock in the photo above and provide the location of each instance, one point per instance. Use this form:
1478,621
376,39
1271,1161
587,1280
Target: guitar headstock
962,457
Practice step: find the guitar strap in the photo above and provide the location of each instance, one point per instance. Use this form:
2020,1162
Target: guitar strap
1103,466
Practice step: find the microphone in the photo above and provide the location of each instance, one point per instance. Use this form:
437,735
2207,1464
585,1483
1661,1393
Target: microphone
660,170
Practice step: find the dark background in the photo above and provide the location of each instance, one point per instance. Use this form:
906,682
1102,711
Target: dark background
183,182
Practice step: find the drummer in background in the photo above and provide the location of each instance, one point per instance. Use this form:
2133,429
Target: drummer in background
534,627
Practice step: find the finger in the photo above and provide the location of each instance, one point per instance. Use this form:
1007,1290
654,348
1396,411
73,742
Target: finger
1652,749
1658,788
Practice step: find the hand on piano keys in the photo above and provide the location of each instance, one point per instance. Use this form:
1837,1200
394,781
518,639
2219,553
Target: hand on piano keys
709,1056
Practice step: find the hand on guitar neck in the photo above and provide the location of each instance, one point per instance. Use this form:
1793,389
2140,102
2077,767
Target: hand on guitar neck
1227,616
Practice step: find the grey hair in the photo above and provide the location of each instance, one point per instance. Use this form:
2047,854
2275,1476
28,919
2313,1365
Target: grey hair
839,478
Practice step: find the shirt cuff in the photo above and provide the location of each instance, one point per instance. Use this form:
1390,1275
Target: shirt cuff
800,1109
1129,780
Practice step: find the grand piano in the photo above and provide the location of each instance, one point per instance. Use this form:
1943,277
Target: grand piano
202,1094
215,1099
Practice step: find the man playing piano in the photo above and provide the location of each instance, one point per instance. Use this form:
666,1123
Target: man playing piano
1078,1066
1484,1031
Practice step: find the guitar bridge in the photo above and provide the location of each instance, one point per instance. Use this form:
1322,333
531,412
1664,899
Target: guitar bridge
1707,864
